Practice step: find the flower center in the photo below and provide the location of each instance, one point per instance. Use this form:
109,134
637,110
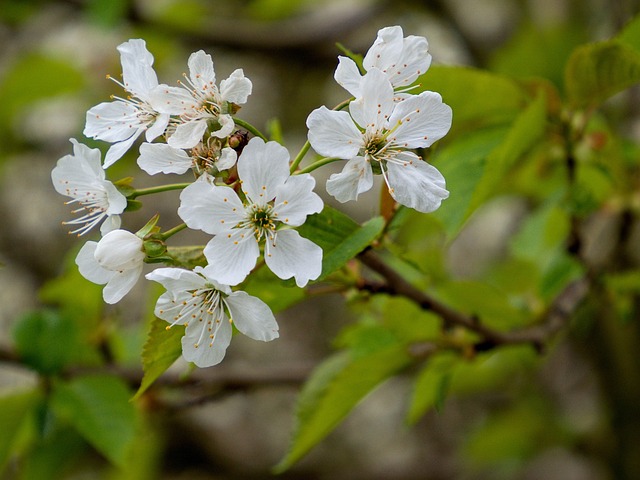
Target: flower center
262,219
205,155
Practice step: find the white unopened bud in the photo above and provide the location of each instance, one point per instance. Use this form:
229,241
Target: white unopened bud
119,250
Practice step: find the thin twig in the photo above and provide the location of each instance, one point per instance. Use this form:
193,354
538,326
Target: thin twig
538,335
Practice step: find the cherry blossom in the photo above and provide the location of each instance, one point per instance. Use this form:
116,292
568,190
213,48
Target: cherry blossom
200,104
123,120
272,202
81,177
377,135
207,309
401,59
115,261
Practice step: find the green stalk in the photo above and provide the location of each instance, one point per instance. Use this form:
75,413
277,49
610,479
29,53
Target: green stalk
296,161
250,128
172,231
318,164
160,188
307,146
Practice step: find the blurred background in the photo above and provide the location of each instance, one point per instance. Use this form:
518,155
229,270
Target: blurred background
54,56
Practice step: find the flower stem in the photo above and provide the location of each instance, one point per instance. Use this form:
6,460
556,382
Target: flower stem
160,188
305,148
173,231
296,161
318,164
250,127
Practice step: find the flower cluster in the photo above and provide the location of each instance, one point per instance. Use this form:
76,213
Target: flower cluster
246,192
384,125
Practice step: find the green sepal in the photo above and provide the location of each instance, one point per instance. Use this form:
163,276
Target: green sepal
133,205
150,227
154,247
124,186
356,57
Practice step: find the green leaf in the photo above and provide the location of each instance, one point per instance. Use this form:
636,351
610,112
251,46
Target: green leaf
98,407
15,408
339,236
431,386
462,164
54,455
527,129
491,305
162,348
476,96
75,295
539,52
334,389
107,13
630,34
48,341
597,71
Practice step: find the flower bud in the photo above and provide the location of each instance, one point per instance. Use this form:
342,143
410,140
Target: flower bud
119,250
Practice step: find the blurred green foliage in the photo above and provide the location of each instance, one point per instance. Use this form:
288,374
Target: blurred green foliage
536,124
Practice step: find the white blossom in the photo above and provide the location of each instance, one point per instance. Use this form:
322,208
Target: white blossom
377,135
123,120
81,177
199,102
206,308
401,59
162,158
115,261
272,202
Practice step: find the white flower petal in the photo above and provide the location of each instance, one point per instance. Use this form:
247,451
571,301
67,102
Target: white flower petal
158,127
207,353
212,209
424,120
228,158
356,177
201,71
386,49
372,110
231,257
119,250
333,134
112,121
162,158
413,62
416,184
117,150
116,200
120,284
189,134
137,72
236,89
226,126
252,316
112,222
89,267
75,173
91,156
176,279
263,168
295,200
173,100
348,76
294,256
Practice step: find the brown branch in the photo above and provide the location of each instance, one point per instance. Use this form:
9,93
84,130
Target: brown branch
537,335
